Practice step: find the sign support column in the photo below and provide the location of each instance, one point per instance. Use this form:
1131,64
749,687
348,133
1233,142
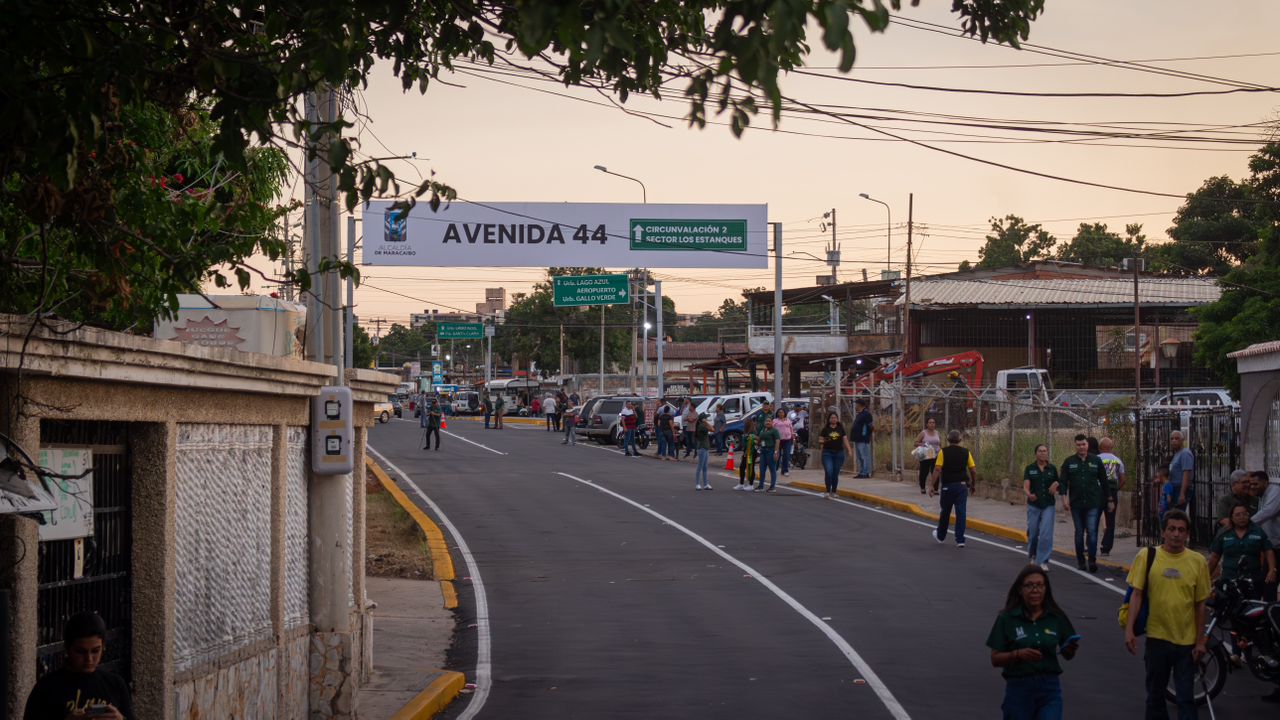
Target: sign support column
777,314
602,309
662,385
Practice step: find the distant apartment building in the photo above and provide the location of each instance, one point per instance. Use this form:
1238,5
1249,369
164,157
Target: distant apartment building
495,302
426,317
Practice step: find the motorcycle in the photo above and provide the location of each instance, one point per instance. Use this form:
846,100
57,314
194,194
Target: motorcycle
800,456
1242,633
644,436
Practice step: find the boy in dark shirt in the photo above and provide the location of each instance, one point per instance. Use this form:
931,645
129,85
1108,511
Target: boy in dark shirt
79,689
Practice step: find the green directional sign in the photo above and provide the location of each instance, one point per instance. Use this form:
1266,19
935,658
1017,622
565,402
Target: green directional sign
578,290
689,235
459,331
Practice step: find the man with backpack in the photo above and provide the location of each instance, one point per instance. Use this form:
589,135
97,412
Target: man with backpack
1175,586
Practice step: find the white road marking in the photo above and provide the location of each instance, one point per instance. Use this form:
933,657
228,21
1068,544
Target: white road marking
486,447
890,702
484,644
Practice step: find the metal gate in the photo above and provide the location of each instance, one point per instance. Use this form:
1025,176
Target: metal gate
102,583
1213,435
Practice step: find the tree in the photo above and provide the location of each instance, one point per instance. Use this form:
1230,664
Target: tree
1216,228
402,344
1013,242
1245,314
156,209
362,348
729,320
1096,246
85,65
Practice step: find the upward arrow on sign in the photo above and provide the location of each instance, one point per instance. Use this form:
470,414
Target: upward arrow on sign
638,231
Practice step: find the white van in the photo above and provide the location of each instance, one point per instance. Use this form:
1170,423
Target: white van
736,406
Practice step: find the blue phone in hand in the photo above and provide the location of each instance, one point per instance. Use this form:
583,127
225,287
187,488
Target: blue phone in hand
1068,641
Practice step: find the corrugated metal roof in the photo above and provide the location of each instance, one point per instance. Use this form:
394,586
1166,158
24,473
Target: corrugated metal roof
694,350
1262,348
1180,292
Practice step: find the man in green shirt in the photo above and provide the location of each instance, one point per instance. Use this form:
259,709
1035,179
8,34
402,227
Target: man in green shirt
1241,492
769,440
1242,550
1084,479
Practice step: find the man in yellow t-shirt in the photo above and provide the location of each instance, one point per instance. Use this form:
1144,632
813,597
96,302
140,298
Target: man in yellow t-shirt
1179,587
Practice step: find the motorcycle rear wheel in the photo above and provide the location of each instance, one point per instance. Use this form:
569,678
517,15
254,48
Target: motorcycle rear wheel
1213,668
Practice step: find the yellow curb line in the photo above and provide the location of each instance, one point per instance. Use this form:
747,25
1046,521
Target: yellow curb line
914,509
450,595
911,508
505,419
441,561
435,698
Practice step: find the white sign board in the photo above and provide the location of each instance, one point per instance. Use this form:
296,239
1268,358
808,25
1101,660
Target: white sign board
567,234
74,516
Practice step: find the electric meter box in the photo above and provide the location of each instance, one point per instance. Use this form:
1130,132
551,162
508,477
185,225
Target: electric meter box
332,432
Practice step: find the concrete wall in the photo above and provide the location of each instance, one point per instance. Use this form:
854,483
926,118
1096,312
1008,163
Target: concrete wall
223,548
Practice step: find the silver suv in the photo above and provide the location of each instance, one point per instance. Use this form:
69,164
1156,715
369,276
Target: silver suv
602,420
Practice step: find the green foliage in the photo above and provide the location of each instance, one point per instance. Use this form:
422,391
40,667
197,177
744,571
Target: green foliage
1245,314
728,321
1215,229
1096,246
157,207
1013,242
402,344
362,348
233,75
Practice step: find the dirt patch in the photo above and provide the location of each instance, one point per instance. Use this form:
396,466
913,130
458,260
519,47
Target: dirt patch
395,545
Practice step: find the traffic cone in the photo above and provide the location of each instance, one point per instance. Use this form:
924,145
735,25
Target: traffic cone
444,424
728,464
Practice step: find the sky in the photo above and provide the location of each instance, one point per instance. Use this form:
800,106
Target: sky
504,138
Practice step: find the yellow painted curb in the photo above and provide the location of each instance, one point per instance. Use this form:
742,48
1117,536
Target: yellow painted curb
505,419
450,595
911,508
441,560
435,698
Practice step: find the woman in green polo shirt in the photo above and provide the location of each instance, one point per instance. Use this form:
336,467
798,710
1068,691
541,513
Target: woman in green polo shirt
1026,639
1040,485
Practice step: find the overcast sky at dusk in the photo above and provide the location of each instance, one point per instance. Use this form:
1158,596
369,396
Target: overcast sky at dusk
516,138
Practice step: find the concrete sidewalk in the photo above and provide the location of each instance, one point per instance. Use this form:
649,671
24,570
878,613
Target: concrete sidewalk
411,635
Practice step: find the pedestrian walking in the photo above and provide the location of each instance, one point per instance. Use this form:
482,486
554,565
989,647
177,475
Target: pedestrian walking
769,441
702,439
863,427
746,468
570,419
689,422
835,448
629,421
1176,587
955,469
499,409
1084,484
1268,518
1114,468
1243,550
430,422
787,440
574,399
721,420
486,406
552,411
1025,641
928,445
1040,484
1182,472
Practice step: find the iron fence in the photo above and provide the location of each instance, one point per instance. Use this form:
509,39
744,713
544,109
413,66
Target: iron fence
101,579
1213,436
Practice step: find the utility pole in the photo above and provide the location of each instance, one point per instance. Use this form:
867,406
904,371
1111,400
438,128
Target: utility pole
906,303
777,307
1137,344
833,253
602,309
657,293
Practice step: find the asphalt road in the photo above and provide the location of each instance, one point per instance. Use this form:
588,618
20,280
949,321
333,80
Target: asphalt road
610,588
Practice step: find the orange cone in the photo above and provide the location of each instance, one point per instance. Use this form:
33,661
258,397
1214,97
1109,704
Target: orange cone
728,464
444,424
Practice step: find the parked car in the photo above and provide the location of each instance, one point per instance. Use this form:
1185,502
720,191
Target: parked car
602,425
466,402
1200,397
397,406
382,411
737,405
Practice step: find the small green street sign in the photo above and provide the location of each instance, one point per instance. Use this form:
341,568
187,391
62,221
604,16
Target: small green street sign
578,290
459,331
704,235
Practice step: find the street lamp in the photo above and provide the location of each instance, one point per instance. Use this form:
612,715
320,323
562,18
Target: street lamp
888,227
644,385
644,194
